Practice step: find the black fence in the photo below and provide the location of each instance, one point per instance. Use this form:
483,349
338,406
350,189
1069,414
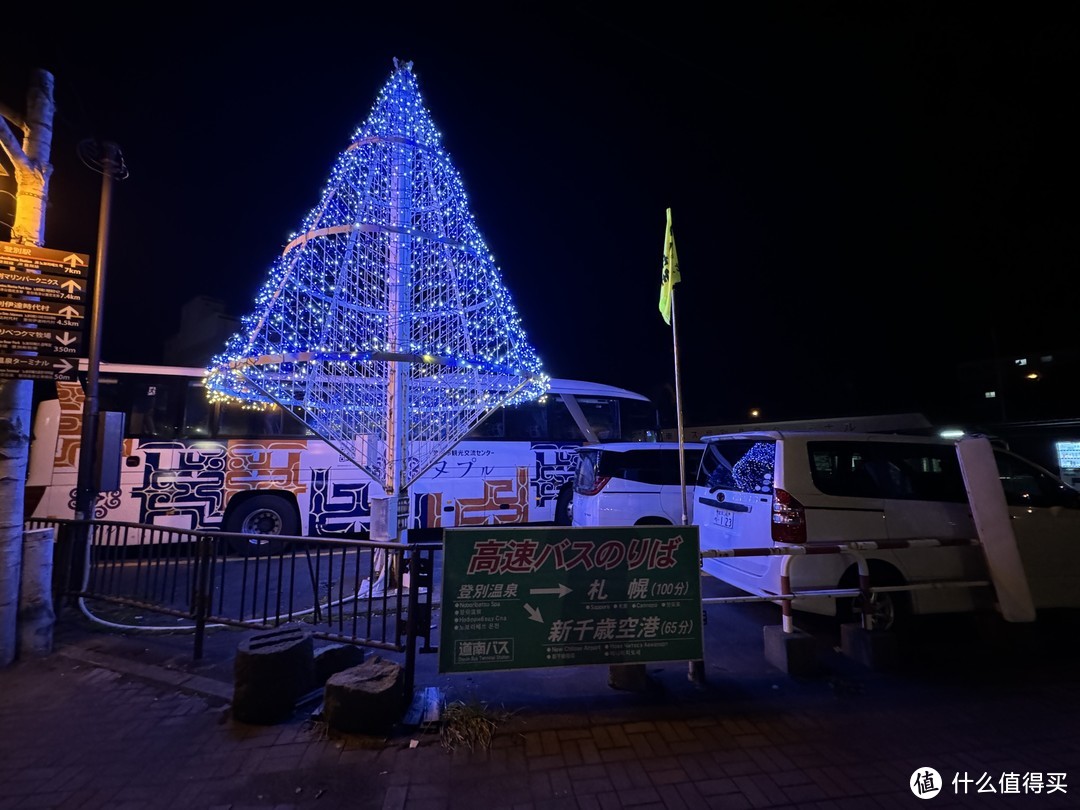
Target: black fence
373,594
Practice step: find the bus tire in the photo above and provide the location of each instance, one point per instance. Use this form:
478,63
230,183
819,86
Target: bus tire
564,506
261,517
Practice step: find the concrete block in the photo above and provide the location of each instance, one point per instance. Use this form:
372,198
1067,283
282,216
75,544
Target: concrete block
334,658
366,699
795,653
271,670
629,677
877,649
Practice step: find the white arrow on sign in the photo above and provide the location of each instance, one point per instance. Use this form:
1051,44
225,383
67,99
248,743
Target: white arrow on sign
534,613
74,260
562,590
70,286
66,339
63,366
69,312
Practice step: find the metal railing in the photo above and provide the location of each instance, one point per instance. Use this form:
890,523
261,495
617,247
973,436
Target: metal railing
865,589
356,591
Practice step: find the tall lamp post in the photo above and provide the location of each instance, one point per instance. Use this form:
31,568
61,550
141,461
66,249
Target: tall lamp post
106,158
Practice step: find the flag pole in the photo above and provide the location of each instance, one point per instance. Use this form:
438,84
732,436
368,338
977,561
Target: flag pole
669,277
678,412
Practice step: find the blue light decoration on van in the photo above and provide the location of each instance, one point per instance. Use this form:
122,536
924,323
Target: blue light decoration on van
754,471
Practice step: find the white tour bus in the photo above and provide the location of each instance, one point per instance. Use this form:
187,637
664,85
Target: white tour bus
192,464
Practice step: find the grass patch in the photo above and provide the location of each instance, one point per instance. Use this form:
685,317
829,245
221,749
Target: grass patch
469,725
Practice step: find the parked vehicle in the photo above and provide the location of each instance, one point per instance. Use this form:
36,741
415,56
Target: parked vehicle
191,462
772,489
634,484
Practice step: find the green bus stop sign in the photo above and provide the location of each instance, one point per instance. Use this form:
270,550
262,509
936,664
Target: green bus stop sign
527,597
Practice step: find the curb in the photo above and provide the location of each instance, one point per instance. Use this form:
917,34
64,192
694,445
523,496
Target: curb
195,684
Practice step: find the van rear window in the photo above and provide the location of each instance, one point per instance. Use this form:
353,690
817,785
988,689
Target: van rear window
740,465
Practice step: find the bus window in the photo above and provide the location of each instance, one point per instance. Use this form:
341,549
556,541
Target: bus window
197,412
638,421
240,422
561,424
527,421
237,421
602,414
490,428
147,403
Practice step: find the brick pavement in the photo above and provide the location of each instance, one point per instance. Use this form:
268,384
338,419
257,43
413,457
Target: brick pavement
126,723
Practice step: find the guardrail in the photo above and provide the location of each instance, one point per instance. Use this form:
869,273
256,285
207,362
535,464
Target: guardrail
364,592
865,589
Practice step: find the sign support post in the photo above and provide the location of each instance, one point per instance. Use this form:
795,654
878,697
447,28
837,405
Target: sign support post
85,494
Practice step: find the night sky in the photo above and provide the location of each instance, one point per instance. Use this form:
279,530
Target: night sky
863,197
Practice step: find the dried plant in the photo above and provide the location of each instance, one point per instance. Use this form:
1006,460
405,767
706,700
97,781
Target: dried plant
469,725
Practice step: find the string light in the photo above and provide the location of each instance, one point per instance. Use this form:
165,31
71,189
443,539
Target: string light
388,275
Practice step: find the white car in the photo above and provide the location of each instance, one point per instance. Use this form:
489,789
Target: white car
776,489
634,484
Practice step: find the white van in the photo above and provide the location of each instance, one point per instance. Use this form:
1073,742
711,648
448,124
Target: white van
774,488
634,483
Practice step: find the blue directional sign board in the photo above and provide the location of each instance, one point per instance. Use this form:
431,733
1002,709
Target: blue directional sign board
43,293
527,597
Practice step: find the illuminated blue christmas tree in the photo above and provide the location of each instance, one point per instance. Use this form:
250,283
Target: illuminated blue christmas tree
385,325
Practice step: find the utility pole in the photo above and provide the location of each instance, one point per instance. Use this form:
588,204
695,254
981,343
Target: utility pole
107,157
30,159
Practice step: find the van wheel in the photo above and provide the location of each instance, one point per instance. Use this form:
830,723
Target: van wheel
888,611
261,517
564,506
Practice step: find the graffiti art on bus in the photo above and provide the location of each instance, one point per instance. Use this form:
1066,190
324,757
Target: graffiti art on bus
337,508
427,506
69,428
196,480
505,500
555,465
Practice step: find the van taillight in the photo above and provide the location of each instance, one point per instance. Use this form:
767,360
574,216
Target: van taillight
788,519
598,484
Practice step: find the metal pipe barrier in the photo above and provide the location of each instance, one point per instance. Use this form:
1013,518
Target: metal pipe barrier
339,587
854,549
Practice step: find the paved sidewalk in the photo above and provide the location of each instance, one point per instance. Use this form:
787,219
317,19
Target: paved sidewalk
130,722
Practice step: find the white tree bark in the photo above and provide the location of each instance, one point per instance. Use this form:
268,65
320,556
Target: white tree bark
32,172
36,614
15,398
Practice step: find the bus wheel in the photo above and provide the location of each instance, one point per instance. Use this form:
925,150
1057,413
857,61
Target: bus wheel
260,517
564,506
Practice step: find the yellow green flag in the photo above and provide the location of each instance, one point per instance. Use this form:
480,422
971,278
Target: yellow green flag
669,277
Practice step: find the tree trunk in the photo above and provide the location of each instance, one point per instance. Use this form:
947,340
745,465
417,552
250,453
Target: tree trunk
32,172
15,398
36,614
